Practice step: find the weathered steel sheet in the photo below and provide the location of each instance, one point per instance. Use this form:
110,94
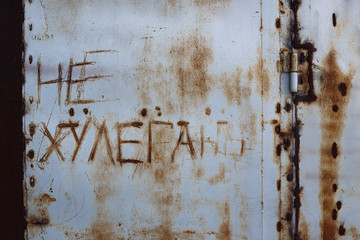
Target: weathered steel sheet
157,120
327,34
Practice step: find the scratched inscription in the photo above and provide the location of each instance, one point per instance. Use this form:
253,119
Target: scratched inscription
219,145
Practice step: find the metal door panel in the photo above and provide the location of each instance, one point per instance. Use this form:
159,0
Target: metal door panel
154,120
329,136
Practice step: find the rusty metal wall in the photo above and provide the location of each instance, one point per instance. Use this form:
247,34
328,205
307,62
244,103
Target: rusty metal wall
327,33
11,140
172,120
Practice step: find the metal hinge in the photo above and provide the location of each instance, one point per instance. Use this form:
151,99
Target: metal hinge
289,64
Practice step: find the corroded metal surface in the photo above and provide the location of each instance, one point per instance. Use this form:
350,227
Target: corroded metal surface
327,36
158,120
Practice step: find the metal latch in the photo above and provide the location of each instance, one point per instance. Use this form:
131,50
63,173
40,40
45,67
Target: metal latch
289,63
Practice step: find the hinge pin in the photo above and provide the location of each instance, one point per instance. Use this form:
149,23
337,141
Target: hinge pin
293,72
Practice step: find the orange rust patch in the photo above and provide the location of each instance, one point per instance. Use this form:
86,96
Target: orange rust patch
32,129
249,128
164,232
102,230
166,199
219,177
45,199
354,233
224,232
159,175
335,89
145,73
278,23
199,172
31,154
262,78
232,88
200,3
191,57
303,72
172,3
304,230
102,178
208,111
41,217
38,220
278,108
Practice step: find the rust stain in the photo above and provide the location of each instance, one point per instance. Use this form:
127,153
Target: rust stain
278,150
190,59
243,215
224,232
164,232
219,177
288,217
41,217
278,226
208,111
71,112
166,198
198,171
278,108
335,88
172,3
304,229
306,68
32,129
201,3
102,230
286,144
145,73
37,220
306,80
31,154
263,79
354,233
143,112
102,174
290,176
278,23
102,177
234,92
